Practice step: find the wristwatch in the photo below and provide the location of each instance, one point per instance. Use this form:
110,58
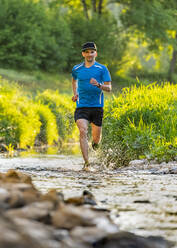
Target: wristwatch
99,85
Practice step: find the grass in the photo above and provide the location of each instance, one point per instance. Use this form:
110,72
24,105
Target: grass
37,81
141,122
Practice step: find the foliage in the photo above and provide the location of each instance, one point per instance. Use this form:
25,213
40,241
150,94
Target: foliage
25,122
19,123
104,32
48,132
156,20
153,18
141,122
63,108
32,36
38,81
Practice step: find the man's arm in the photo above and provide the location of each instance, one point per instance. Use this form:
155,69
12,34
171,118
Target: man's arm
74,88
106,86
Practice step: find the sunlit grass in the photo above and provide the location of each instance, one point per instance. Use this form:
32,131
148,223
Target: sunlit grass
37,81
142,123
25,121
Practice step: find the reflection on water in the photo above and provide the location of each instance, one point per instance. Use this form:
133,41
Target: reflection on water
142,203
65,149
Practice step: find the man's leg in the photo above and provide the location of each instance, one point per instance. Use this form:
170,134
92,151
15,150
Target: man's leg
96,135
82,124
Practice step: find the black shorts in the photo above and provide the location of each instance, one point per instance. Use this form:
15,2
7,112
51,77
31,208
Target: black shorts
93,115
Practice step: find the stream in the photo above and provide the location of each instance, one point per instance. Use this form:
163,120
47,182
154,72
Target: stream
140,201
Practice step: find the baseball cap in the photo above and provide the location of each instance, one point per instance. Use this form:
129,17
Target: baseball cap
89,45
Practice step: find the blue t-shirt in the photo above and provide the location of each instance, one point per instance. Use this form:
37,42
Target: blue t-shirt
88,94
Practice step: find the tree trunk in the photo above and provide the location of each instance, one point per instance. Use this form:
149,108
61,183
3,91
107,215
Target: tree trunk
85,8
100,6
94,6
172,63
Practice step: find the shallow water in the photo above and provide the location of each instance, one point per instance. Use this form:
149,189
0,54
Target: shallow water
139,201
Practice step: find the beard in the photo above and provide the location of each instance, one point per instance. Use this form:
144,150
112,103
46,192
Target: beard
90,59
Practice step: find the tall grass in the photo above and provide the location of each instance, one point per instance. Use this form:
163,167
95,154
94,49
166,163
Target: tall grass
25,121
63,108
19,123
141,123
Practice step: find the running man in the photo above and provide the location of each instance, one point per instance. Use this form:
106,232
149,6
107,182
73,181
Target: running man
89,80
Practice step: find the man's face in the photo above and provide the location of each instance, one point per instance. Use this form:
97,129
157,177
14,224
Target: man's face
89,55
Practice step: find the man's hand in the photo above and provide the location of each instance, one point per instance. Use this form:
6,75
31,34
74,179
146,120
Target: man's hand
74,98
94,82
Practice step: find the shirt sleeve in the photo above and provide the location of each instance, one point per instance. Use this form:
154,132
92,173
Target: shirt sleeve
74,75
106,77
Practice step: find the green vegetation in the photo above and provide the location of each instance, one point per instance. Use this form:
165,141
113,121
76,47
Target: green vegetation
40,42
25,121
62,108
141,123
33,82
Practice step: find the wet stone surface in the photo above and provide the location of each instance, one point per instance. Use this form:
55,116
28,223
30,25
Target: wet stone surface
142,197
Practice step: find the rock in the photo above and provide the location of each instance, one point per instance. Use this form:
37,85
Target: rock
30,219
4,195
86,198
15,237
138,162
39,232
39,211
53,196
128,240
173,170
18,194
83,237
13,176
69,216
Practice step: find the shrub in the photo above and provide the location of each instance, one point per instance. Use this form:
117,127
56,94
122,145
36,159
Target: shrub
63,108
48,132
32,36
141,122
19,123
104,31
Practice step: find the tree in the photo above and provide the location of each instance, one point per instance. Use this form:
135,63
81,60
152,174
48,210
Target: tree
32,36
157,20
89,7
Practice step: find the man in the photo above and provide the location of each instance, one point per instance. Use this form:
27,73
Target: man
89,80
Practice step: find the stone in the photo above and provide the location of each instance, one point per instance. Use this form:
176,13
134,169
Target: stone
138,162
127,240
39,211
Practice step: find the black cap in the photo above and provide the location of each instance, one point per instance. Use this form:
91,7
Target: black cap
89,45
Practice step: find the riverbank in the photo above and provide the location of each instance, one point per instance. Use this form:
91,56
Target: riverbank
138,200
32,219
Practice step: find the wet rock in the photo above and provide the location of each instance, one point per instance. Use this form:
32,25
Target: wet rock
86,198
14,237
18,195
53,196
30,219
68,216
13,176
40,233
83,237
138,162
142,201
4,195
173,170
39,211
127,240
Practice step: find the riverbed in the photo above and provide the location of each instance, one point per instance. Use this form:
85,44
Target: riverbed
141,201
